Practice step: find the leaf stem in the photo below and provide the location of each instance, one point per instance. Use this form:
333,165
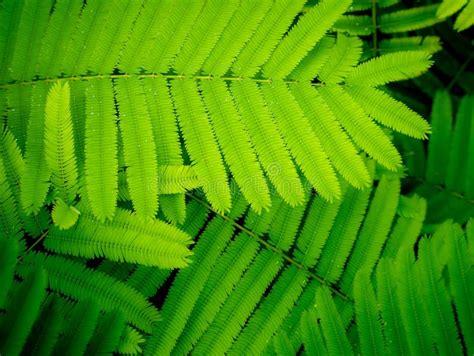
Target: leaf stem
271,247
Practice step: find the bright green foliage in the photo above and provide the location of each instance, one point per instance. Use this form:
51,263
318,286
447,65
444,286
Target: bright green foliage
153,244
285,153
59,142
409,19
465,17
100,149
63,215
138,146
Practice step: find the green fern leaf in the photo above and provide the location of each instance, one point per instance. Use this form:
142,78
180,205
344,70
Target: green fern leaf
310,66
335,141
64,216
35,180
269,145
331,324
438,155
139,147
268,35
205,33
80,283
409,19
21,316
59,142
390,112
360,127
387,298
389,68
100,149
235,144
311,333
303,36
8,253
235,36
367,315
344,56
465,18
200,143
438,309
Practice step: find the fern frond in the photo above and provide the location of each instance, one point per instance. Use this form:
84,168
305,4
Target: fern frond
19,112
138,146
331,324
58,36
374,231
63,215
200,143
176,27
47,328
461,275
448,8
428,44
168,148
309,29
390,112
465,18
129,343
459,175
10,16
409,19
367,315
387,297
32,24
316,229
358,5
438,310
310,65
187,286
10,223
119,244
13,162
267,36
269,145
237,33
234,142
282,344
110,31
21,316
101,163
9,251
106,337
335,142
35,180
59,142
360,127
311,333
176,179
78,282
344,56
301,140
284,224
438,154
343,234
226,273
240,304
407,228
390,68
359,25
84,317
410,303
206,32
268,317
